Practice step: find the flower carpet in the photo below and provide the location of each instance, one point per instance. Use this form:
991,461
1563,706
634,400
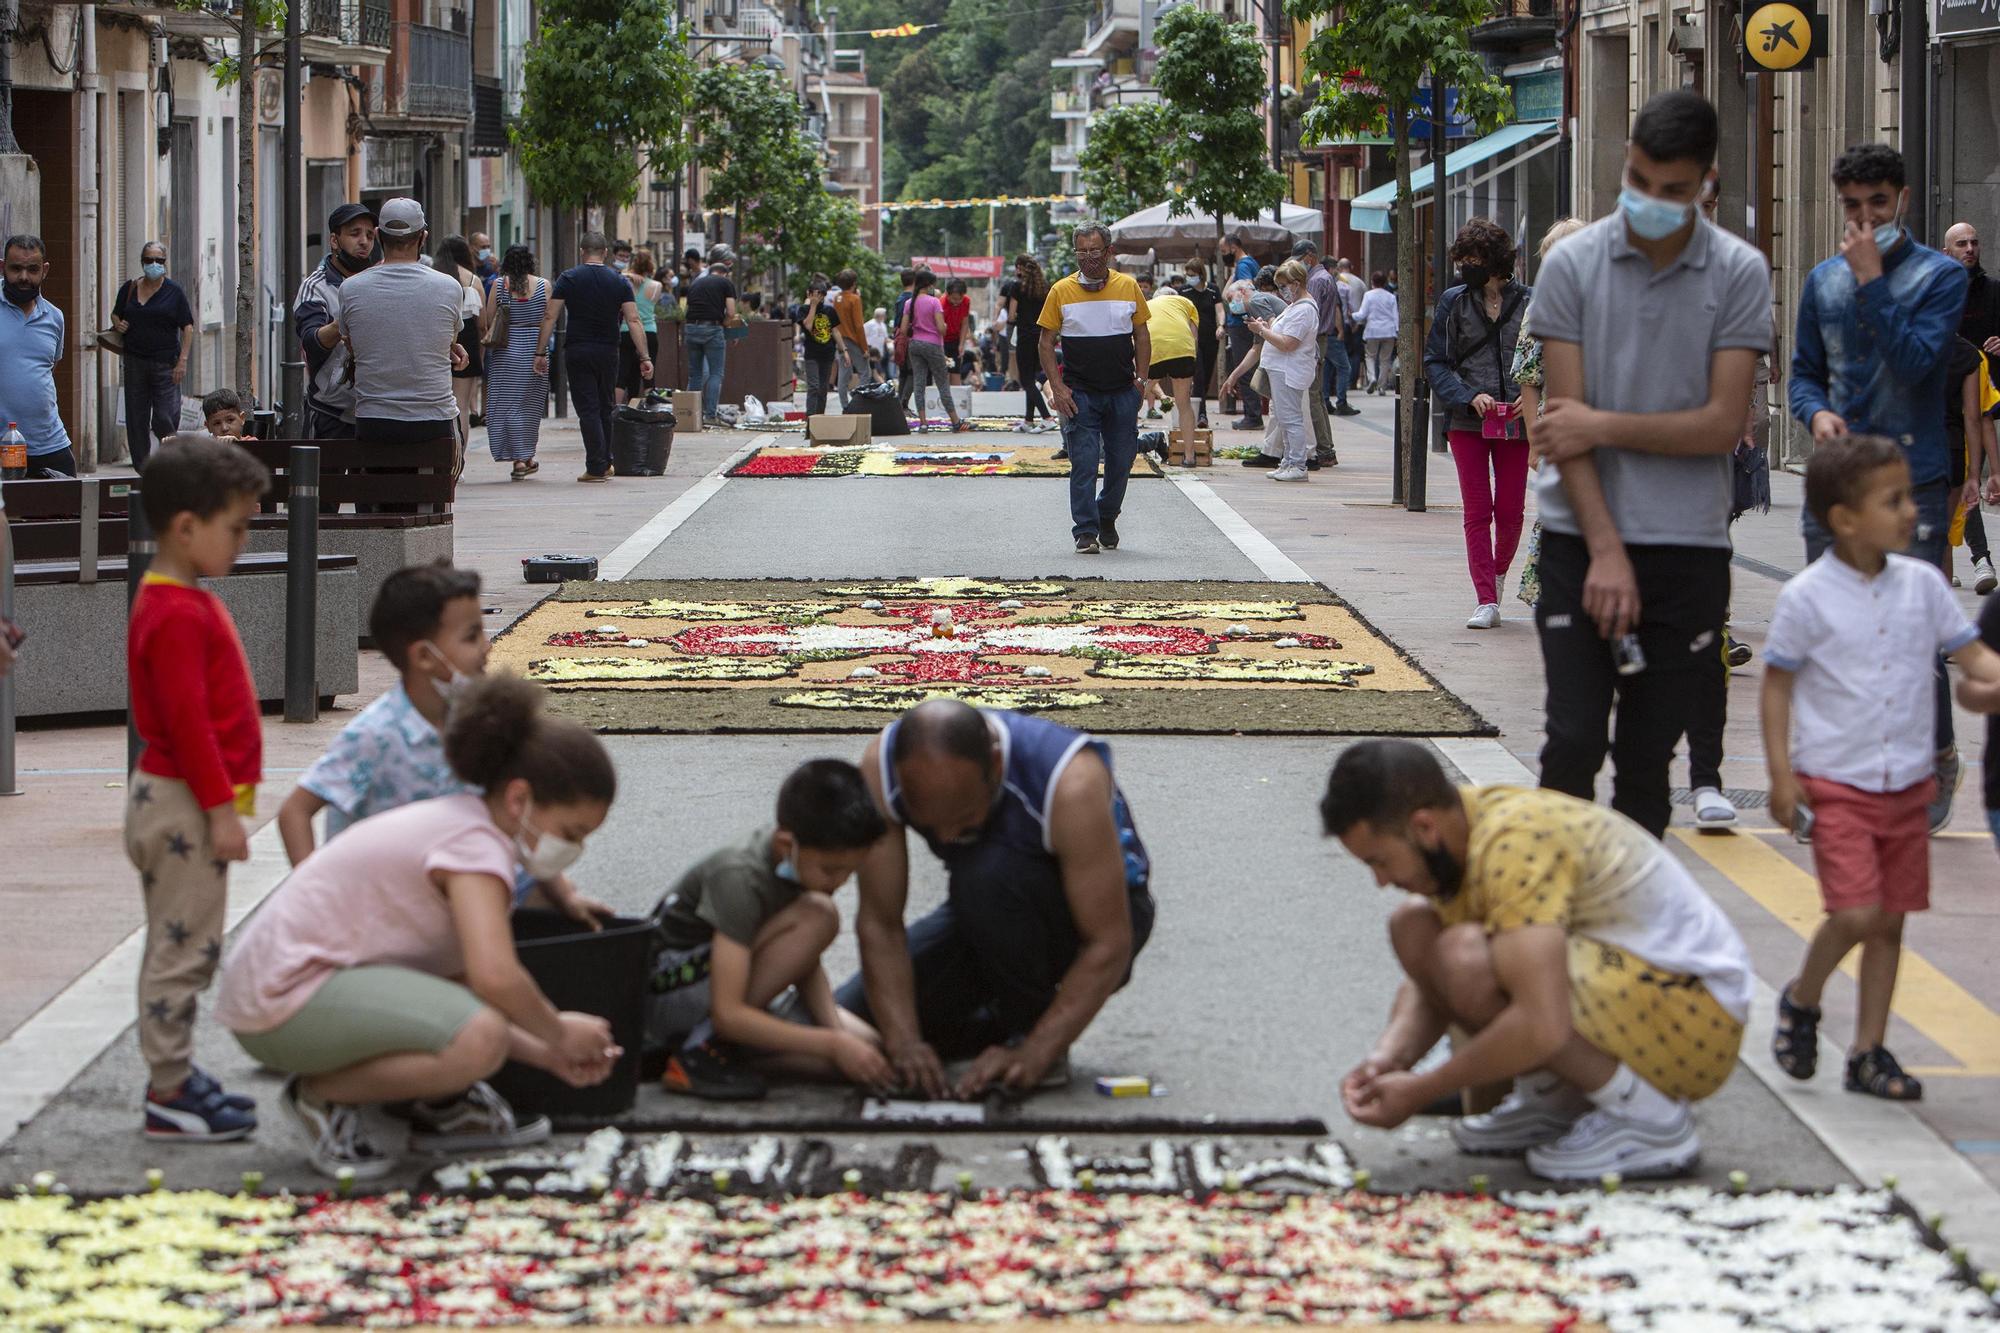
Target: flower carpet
625,1234
915,459
779,655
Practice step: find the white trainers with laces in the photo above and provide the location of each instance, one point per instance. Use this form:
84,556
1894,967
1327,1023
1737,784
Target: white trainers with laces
1541,1109
338,1141
1606,1141
1984,580
1486,617
1712,809
1289,474
477,1120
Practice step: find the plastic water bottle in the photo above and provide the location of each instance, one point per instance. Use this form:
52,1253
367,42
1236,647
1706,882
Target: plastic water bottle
13,454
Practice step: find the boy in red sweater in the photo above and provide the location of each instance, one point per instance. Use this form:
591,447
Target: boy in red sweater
195,707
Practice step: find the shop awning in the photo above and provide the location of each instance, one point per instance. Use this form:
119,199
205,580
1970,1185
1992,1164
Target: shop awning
1516,143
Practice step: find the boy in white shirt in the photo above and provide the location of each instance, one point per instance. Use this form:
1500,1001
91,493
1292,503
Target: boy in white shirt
1847,731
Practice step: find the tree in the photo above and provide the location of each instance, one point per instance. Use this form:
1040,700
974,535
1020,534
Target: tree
1372,60
1130,161
749,132
604,93
1211,75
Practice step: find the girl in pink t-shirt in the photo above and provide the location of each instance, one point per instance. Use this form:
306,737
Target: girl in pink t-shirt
384,969
924,318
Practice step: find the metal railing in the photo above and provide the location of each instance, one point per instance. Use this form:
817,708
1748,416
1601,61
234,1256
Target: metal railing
489,116
1524,9
1062,158
437,73
351,22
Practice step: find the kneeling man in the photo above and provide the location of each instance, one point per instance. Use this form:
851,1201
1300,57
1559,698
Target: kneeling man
1048,901
1590,967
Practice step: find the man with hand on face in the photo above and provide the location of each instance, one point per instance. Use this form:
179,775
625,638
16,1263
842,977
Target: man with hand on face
1635,512
1589,966
1871,357
350,249
1047,907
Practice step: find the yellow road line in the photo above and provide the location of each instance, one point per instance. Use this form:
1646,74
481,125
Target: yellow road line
1928,1000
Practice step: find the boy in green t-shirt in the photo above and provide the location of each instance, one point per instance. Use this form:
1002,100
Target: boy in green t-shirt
742,934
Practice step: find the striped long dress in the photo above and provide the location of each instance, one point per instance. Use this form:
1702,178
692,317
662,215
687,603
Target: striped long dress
516,397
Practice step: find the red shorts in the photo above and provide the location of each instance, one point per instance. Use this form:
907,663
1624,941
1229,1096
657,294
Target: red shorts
1871,849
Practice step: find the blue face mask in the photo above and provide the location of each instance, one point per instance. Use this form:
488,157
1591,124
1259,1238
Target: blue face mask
485,254
1651,219
154,270
1237,307
1890,233
788,869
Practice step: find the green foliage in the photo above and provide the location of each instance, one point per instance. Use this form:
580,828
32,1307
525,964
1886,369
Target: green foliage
965,114
1130,161
749,132
1211,74
604,90
1398,43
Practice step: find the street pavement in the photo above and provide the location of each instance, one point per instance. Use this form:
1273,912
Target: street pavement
1268,975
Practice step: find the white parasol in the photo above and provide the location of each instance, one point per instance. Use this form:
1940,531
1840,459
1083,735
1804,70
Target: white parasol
1179,237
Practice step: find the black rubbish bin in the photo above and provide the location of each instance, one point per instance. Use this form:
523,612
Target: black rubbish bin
642,438
594,972
884,409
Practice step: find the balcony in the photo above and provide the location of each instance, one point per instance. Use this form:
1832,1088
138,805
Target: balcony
1062,158
1068,104
1517,24
1111,25
853,177
433,79
345,32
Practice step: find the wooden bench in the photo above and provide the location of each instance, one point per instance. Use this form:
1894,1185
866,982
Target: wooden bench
387,505
70,597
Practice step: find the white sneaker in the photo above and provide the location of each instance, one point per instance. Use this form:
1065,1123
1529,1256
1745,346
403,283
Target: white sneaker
1486,617
1603,1142
477,1120
1540,1109
1712,809
339,1142
1984,580
1289,474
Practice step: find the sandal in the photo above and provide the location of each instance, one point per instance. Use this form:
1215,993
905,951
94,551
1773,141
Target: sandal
520,471
1795,1040
1877,1074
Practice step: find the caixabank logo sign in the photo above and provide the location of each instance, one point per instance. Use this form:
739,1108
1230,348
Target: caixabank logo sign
1783,36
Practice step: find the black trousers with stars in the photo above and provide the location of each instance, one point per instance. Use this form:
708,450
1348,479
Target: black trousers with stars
186,893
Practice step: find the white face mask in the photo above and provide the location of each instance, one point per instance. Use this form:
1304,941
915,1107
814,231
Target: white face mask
452,686
550,855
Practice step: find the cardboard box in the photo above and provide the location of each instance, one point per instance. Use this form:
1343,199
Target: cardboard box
830,428
687,410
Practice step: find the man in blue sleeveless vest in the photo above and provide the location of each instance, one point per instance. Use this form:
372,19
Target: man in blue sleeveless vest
1048,901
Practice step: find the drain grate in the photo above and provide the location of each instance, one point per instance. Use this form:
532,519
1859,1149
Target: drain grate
1743,798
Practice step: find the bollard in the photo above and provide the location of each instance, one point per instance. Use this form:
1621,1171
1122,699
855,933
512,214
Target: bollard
302,584
8,787
139,548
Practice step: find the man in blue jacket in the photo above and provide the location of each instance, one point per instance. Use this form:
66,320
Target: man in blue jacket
1874,338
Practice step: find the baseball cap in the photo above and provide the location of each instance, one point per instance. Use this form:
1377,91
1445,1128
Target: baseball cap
401,217
347,213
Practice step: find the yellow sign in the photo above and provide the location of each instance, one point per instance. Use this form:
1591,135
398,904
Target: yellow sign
1783,36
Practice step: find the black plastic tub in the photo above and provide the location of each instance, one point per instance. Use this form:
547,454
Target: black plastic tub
593,972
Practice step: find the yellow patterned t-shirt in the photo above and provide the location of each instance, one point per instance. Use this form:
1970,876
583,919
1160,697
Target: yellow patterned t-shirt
1540,858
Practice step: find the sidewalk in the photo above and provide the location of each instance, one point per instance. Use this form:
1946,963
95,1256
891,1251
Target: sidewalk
65,888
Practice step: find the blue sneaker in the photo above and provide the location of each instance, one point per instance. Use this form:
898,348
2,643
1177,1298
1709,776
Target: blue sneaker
196,1117
200,1082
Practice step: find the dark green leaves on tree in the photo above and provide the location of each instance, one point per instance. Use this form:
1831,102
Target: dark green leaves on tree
1211,75
1129,163
604,91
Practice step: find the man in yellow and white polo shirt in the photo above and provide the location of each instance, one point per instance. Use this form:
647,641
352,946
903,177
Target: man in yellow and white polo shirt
1590,967
1100,318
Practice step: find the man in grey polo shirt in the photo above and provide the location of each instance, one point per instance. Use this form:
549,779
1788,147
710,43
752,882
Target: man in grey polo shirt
1652,321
